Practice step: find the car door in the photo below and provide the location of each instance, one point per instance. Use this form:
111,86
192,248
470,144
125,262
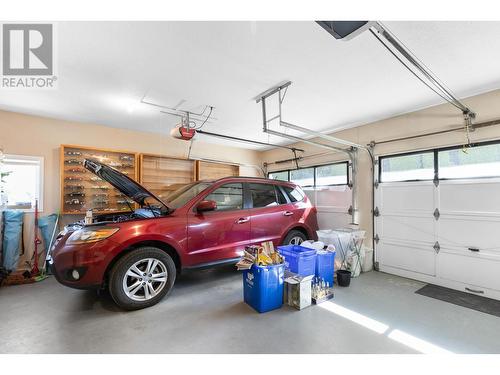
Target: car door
270,213
223,233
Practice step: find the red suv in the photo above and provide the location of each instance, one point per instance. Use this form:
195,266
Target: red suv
138,254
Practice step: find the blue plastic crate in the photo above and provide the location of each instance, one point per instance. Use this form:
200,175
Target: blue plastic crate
325,266
263,287
298,259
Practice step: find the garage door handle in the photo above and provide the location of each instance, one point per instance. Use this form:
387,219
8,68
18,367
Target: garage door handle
474,291
242,220
475,249
287,213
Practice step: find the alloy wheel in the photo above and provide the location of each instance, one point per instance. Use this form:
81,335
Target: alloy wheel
145,279
296,240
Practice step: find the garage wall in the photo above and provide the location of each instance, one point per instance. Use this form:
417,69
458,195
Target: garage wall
40,136
430,119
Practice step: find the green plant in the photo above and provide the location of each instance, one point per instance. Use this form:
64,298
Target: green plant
4,174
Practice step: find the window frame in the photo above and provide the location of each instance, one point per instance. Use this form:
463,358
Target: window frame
315,185
436,152
283,192
41,161
433,151
285,170
325,165
289,195
275,188
244,203
449,148
298,169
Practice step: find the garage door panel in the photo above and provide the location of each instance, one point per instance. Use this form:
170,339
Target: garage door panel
334,196
480,232
332,204
407,197
329,220
408,257
408,228
469,196
469,269
469,218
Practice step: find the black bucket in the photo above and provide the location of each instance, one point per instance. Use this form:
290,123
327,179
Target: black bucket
343,277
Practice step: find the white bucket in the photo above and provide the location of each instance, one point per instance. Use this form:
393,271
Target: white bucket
367,264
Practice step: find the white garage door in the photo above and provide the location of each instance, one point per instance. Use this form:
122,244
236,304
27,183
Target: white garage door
447,234
327,187
333,205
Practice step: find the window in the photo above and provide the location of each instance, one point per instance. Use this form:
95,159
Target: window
332,174
283,175
320,175
281,196
303,176
263,195
294,195
228,197
479,161
22,182
184,194
411,167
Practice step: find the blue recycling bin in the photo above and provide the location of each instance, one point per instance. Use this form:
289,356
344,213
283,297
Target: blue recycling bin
263,287
325,266
298,259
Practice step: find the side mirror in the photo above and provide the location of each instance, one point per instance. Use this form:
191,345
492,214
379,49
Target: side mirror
204,206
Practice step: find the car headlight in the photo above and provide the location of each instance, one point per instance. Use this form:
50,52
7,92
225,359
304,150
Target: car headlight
91,235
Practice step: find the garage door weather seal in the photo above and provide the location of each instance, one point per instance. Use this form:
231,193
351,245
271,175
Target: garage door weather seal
456,297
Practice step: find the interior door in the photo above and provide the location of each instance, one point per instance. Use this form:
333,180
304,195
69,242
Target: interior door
223,233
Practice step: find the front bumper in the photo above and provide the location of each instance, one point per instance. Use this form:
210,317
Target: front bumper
90,260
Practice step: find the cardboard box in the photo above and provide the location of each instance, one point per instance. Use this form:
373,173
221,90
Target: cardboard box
297,290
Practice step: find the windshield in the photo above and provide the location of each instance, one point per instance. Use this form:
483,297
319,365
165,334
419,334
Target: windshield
181,196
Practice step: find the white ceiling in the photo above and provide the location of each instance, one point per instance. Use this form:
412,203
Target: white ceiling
105,68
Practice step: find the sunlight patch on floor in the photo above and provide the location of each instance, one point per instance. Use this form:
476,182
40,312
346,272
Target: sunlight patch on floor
415,343
397,335
355,317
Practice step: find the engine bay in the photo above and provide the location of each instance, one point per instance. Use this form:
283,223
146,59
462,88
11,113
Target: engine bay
120,217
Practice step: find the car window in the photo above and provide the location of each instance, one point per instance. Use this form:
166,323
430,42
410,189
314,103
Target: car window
281,196
295,194
263,195
228,197
184,194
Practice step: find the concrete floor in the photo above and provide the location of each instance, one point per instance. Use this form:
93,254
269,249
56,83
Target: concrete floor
205,314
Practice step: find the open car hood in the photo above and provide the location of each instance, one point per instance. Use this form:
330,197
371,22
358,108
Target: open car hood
124,184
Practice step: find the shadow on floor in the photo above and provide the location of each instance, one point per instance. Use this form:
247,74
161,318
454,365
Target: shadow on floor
189,282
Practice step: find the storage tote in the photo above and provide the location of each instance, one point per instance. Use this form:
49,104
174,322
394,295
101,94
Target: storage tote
298,259
325,266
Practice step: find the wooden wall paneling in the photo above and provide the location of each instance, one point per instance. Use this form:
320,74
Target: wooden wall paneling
162,174
214,171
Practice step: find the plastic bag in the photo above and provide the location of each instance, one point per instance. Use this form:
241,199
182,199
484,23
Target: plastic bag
318,245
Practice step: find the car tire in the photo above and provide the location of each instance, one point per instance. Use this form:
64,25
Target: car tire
142,278
294,237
